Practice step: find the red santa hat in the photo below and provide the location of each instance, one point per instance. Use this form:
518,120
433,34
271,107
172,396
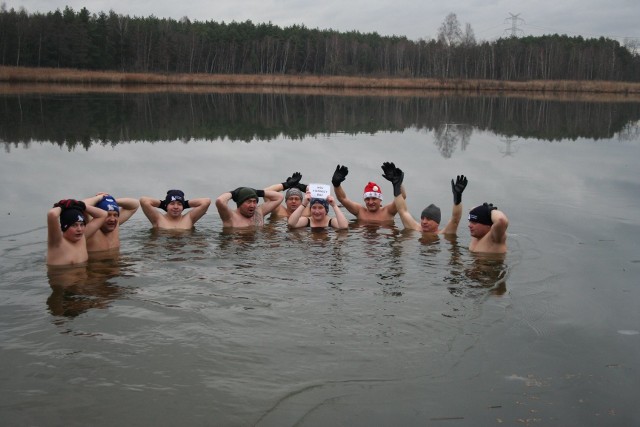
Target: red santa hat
372,190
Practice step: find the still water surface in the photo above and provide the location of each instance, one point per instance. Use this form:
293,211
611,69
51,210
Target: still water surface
372,326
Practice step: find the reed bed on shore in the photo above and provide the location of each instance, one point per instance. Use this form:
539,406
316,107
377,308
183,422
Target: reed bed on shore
280,82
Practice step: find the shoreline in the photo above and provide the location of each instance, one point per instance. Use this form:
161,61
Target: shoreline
27,80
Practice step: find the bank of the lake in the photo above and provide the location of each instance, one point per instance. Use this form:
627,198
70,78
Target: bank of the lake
22,75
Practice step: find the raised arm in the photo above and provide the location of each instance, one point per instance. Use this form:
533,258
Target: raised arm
272,200
390,173
290,182
406,218
339,176
456,214
128,207
296,220
499,228
396,177
149,206
99,216
340,218
222,204
198,208
54,232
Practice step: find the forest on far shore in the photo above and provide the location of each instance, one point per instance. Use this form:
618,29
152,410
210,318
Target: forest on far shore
113,42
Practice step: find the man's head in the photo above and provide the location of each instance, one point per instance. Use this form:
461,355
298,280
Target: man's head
174,200
372,197
72,223
247,201
480,220
319,207
110,205
292,198
430,219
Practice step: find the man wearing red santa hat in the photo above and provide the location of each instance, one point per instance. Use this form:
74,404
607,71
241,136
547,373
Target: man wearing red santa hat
372,211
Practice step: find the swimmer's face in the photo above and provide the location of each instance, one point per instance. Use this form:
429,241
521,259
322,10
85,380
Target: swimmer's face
318,211
75,232
372,204
248,208
292,203
175,208
111,223
428,225
478,230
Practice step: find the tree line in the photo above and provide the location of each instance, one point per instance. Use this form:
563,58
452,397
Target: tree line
111,41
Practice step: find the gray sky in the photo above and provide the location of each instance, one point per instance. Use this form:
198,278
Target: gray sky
414,19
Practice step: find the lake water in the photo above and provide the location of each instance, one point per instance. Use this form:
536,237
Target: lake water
372,326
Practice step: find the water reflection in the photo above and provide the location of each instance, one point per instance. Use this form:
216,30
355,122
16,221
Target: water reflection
76,290
82,120
483,274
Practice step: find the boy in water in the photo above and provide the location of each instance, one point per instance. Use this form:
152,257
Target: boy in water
68,232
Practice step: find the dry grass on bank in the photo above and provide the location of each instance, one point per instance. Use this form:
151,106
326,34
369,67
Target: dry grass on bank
16,77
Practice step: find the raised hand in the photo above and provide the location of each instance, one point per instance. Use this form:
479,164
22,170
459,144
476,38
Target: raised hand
457,188
339,175
490,206
389,170
234,194
393,175
292,181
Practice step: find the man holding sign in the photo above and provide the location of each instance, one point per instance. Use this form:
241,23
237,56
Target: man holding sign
372,211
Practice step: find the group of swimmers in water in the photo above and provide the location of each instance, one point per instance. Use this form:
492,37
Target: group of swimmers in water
77,227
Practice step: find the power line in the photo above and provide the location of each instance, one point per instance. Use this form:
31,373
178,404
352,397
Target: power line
514,24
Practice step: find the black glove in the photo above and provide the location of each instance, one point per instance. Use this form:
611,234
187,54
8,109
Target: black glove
292,181
458,188
490,206
393,175
389,168
302,187
185,204
260,193
163,205
339,175
234,194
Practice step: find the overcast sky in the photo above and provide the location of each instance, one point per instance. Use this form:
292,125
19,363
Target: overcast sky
415,19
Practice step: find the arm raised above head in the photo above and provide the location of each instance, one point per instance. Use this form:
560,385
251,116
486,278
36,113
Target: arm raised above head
198,208
499,228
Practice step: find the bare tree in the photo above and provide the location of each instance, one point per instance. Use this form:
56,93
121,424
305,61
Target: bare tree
450,33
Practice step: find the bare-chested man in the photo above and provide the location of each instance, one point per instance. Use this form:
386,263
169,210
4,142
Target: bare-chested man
174,204
488,228
372,211
68,232
293,196
248,213
118,212
431,216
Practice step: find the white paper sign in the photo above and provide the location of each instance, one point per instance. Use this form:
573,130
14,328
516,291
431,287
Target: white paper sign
319,191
